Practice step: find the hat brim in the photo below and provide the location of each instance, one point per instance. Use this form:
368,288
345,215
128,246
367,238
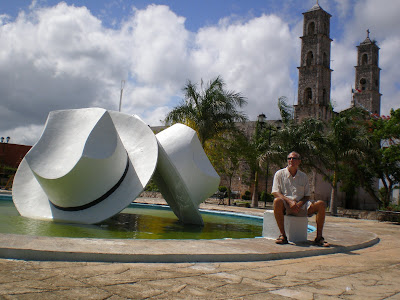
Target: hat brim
141,145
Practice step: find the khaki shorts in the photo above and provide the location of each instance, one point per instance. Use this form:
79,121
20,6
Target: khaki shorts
303,212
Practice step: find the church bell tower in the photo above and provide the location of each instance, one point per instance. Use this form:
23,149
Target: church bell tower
366,93
314,87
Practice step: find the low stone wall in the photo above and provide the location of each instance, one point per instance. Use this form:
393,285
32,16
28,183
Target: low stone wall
370,215
342,212
151,195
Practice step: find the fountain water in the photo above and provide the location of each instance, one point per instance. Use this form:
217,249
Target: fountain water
137,221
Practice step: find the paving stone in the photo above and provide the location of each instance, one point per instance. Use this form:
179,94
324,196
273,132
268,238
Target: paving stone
201,282
294,294
77,293
265,295
132,291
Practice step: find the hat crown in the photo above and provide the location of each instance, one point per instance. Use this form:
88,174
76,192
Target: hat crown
79,157
69,135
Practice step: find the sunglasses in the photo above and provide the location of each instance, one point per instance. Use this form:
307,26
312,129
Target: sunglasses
293,158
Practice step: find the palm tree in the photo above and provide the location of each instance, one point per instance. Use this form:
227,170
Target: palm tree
261,150
303,137
253,155
210,111
343,142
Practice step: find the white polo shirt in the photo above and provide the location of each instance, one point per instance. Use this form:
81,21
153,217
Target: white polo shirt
295,187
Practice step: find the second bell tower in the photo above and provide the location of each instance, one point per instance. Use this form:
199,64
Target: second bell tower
367,77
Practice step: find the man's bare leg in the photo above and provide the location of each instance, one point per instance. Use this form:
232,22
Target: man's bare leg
279,213
319,208
320,218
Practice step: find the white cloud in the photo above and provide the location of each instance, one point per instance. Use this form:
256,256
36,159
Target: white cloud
381,17
254,58
390,74
33,4
156,115
24,134
64,57
53,58
159,45
343,7
344,58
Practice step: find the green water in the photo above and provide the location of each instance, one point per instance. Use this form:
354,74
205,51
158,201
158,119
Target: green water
134,222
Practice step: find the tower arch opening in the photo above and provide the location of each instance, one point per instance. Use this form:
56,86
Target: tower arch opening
364,59
311,28
309,58
363,84
307,96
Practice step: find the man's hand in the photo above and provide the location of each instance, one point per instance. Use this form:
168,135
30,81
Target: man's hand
294,206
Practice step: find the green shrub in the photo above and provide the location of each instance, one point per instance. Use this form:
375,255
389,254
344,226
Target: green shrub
270,197
263,196
392,207
242,203
246,196
266,197
222,189
151,187
382,194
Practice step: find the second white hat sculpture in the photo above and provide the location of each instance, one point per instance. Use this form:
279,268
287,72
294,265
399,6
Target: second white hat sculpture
184,174
89,164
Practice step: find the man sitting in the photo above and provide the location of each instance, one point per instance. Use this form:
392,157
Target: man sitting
292,196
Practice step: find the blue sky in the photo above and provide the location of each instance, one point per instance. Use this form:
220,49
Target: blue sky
72,54
197,13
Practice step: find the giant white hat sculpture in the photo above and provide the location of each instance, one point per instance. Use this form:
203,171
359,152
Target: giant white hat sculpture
88,165
184,174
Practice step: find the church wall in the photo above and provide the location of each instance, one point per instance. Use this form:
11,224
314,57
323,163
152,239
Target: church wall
322,191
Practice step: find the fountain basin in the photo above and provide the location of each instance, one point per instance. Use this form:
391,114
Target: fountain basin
137,221
344,238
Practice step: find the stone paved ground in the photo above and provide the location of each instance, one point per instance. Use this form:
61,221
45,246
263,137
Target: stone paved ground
370,273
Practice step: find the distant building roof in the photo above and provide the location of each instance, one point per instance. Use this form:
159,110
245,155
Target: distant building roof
11,155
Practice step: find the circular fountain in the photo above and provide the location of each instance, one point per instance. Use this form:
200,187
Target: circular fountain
193,248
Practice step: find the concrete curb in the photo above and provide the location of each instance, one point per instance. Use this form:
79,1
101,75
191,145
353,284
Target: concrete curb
167,251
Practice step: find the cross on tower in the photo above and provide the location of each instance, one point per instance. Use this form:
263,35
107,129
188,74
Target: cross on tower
368,33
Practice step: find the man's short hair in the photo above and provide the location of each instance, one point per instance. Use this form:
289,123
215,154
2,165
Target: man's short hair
297,154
